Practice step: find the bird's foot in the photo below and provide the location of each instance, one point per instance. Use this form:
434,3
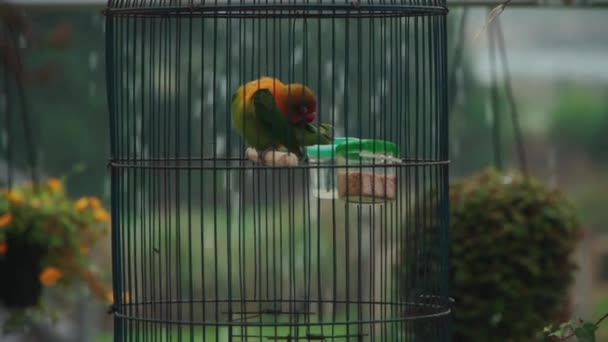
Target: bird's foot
274,158
252,154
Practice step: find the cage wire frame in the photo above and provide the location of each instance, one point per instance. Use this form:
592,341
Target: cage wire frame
210,246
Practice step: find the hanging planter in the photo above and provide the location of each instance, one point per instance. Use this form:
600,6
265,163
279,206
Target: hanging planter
512,243
45,239
22,265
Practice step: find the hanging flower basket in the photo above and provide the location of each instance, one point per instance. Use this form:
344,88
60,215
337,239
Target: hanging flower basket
22,265
45,239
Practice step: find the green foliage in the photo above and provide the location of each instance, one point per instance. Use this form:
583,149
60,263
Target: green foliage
583,331
511,244
45,216
580,119
54,234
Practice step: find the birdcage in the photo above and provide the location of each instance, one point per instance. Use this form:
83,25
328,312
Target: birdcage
267,159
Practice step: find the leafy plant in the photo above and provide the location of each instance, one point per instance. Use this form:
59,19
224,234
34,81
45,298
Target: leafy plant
512,239
511,242
584,331
45,239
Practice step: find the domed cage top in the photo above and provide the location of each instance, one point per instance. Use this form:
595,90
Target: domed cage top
276,9
279,170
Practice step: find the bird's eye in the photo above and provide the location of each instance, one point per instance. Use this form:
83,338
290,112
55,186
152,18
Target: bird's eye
303,109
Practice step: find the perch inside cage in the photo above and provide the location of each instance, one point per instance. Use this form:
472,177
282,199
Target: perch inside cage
240,213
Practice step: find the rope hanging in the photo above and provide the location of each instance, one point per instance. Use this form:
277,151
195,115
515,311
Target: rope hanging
521,153
11,43
497,50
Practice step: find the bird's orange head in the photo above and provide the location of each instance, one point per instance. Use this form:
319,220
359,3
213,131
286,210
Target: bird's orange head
298,103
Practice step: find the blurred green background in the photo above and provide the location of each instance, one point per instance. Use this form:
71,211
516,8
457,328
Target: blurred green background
558,63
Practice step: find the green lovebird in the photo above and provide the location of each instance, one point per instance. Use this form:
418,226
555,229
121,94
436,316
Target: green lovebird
270,115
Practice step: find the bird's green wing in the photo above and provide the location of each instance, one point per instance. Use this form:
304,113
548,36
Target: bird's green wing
273,121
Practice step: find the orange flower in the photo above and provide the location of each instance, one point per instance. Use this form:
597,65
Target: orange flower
50,275
15,197
6,220
126,297
81,204
3,248
85,249
101,215
95,203
55,184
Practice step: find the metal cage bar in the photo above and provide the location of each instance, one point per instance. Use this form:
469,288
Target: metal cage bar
210,246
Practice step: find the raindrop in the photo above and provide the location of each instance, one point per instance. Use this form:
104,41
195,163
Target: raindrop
384,87
197,111
145,151
375,104
209,98
224,181
93,60
235,197
335,112
298,54
223,83
329,69
220,145
456,147
207,78
460,96
107,187
137,144
138,125
313,213
22,42
488,114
